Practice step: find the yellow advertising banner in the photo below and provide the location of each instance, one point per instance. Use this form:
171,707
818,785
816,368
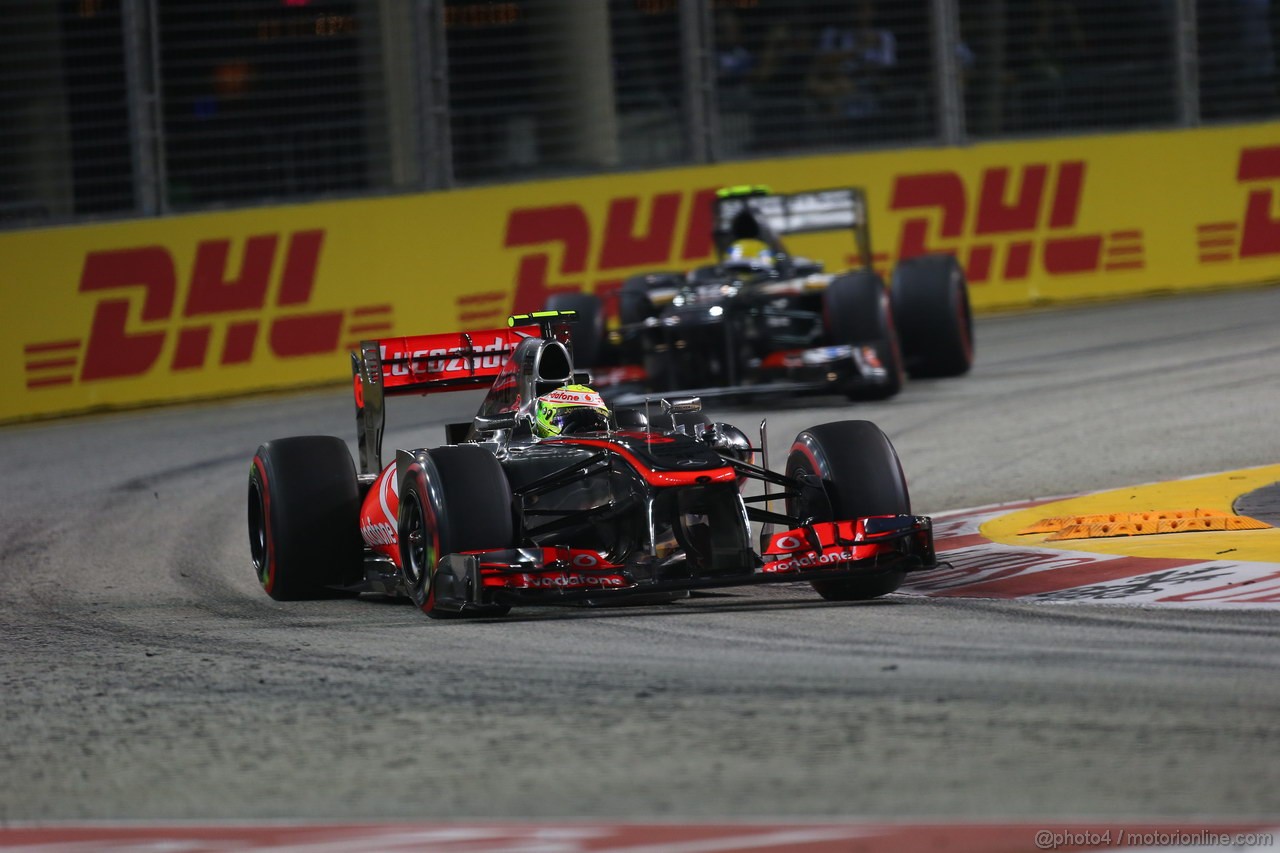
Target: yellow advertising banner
186,307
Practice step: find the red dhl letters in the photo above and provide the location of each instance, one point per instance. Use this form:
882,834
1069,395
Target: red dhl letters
216,298
1259,234
241,299
1011,205
991,224
627,244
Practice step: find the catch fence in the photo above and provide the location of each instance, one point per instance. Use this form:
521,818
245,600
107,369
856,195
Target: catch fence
135,108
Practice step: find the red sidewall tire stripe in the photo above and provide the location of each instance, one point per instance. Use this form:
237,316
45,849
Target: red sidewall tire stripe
429,521
269,558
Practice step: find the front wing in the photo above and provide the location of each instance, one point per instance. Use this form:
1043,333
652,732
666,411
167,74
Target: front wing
478,581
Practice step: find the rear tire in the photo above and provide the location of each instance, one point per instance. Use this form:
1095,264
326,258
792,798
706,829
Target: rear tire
861,476
304,518
856,311
930,300
589,335
458,500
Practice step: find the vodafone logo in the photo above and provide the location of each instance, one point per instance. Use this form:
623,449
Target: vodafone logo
810,560
378,534
570,580
577,398
790,543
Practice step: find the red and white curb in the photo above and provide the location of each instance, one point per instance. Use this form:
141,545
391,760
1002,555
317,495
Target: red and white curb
569,837
977,567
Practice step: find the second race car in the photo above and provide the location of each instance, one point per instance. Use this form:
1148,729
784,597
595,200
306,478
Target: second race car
767,320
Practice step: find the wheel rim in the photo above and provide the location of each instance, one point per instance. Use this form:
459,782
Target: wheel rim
258,532
415,538
799,506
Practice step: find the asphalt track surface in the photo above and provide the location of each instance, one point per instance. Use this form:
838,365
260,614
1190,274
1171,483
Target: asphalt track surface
144,675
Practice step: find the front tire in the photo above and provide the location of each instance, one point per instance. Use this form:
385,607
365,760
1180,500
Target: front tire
634,307
304,518
856,311
634,304
861,476
457,499
930,300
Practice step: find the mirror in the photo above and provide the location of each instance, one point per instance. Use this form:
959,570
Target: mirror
682,404
505,420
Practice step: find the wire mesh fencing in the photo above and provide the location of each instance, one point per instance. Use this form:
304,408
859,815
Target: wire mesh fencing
64,125
119,108
1053,66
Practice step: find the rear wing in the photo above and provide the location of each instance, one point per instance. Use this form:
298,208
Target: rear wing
428,364
754,213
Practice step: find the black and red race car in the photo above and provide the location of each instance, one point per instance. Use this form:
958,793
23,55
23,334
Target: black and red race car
657,504
769,321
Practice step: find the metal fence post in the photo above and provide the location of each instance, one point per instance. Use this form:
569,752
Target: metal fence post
696,52
435,141
142,76
392,123
948,81
1186,52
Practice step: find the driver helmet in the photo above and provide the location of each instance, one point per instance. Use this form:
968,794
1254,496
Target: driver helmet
739,258
568,410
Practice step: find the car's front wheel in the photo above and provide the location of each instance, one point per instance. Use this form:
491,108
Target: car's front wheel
455,499
860,475
856,312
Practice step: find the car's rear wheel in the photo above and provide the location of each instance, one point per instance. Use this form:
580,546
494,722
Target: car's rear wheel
590,338
304,518
860,476
856,311
456,499
930,299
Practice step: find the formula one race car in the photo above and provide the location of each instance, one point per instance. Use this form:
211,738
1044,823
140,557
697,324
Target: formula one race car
769,320
549,497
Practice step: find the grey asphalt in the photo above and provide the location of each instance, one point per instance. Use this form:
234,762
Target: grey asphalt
144,675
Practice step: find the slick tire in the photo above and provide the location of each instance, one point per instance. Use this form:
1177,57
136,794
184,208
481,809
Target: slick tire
856,311
861,476
634,305
454,499
304,518
590,337
930,300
